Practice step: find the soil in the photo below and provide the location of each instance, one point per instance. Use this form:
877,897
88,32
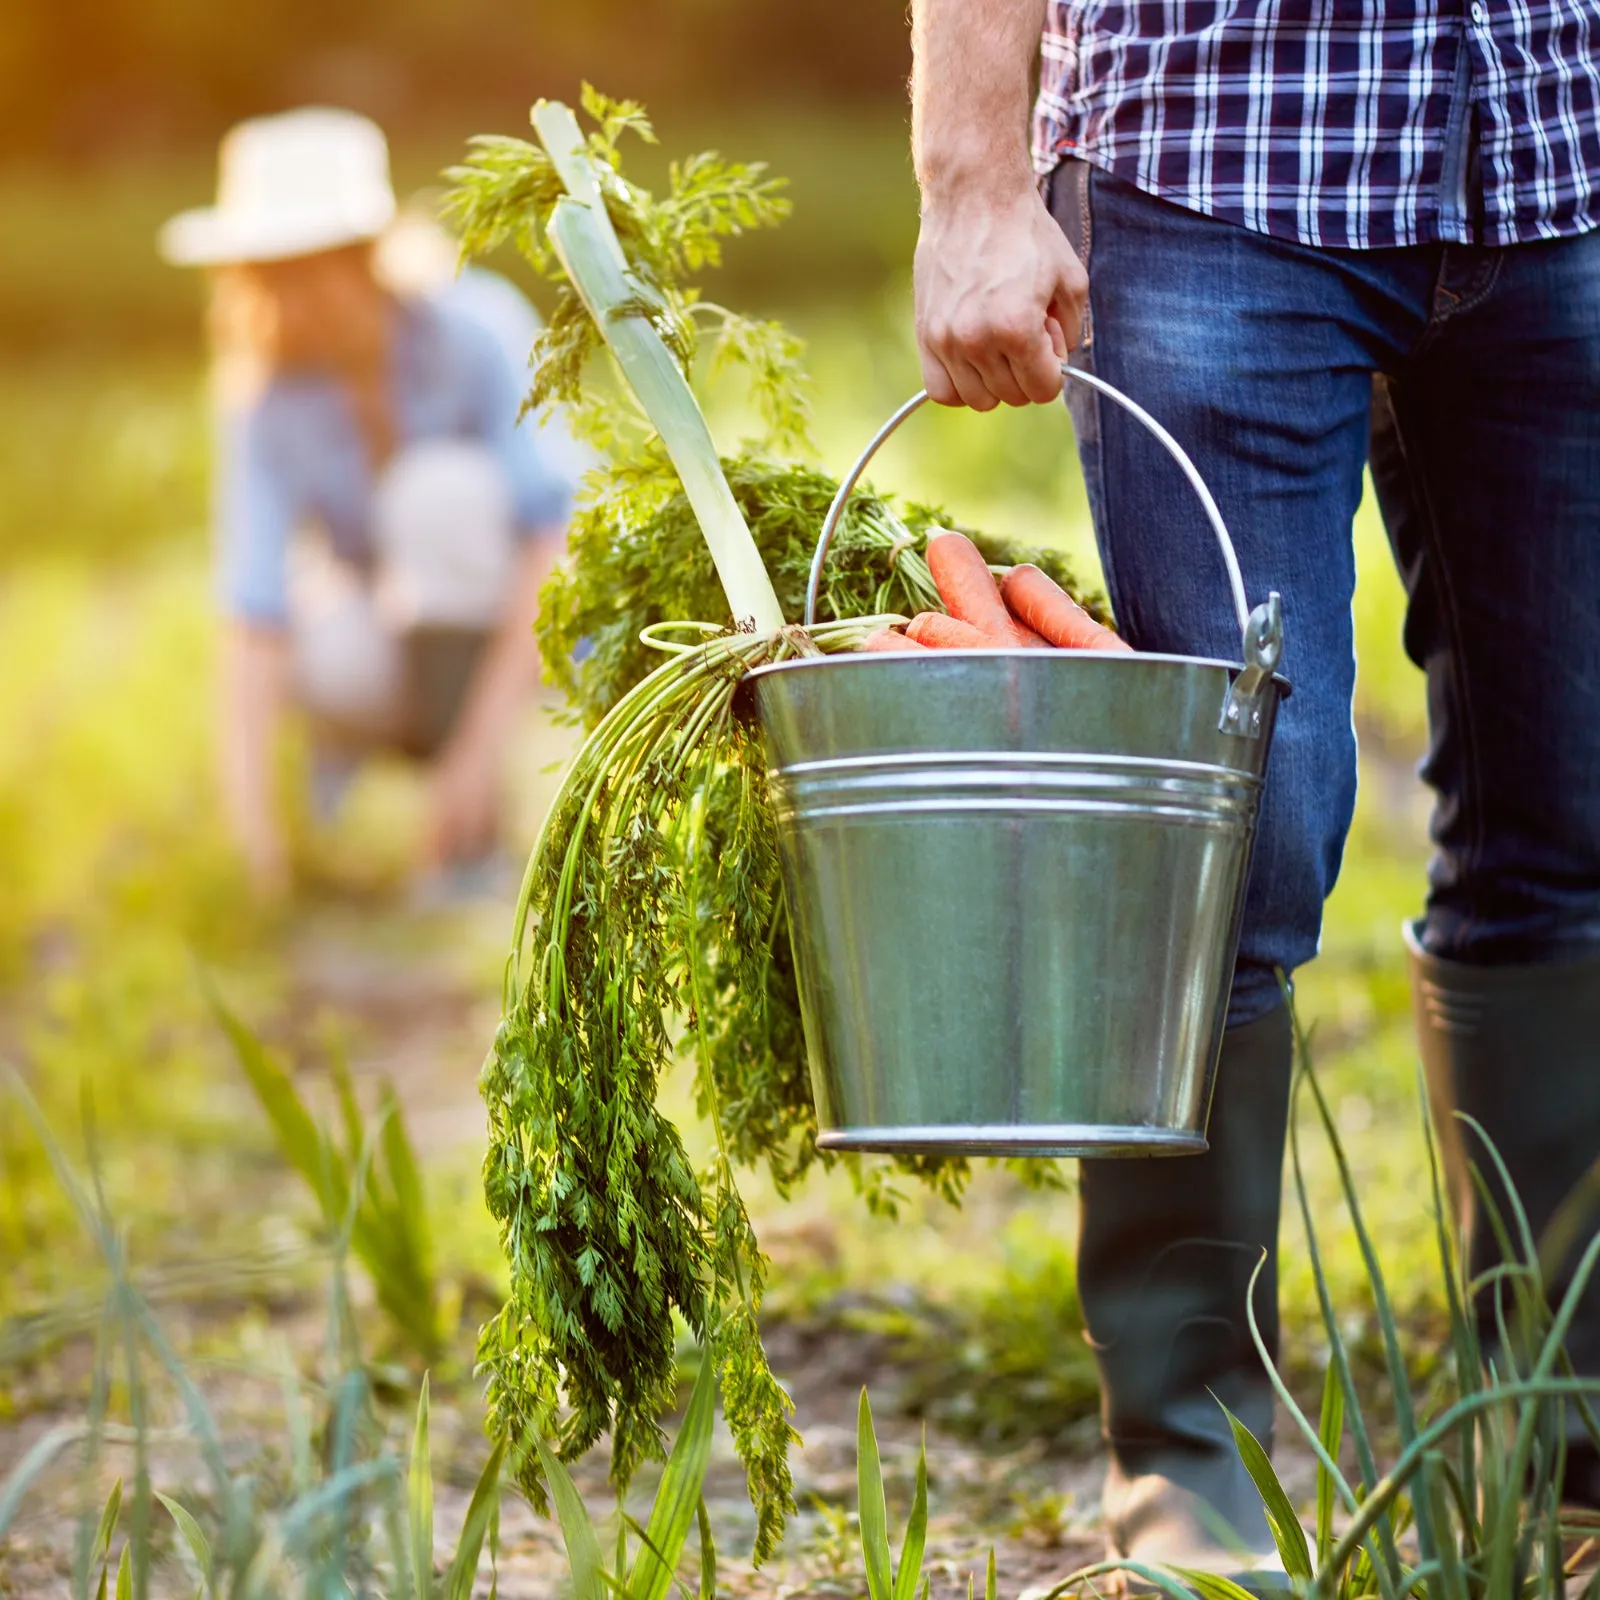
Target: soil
414,1009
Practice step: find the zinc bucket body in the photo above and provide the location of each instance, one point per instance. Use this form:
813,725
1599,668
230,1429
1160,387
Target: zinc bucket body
1014,879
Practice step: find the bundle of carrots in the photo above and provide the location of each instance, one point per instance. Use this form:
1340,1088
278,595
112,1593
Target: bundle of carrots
1026,610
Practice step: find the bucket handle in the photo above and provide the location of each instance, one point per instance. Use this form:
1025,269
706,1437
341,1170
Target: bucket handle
1261,629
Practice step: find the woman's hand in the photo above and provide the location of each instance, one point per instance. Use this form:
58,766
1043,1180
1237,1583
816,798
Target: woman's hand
463,805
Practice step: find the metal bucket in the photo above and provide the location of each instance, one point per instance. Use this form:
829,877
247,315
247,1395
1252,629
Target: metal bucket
1014,878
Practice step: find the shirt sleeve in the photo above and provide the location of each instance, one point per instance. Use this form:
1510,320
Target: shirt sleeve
255,515
541,493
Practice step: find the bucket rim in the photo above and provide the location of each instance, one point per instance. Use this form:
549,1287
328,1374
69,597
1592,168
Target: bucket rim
1121,657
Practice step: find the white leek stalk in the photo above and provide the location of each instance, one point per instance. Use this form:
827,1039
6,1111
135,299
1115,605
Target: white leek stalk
584,239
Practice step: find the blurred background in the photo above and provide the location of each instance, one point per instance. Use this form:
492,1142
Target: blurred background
116,878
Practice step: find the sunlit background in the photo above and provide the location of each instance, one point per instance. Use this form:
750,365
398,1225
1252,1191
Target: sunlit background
118,887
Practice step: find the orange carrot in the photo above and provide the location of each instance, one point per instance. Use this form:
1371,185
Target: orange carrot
889,639
1043,605
968,589
939,632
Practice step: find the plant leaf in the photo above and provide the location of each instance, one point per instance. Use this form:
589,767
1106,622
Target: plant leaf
196,1540
708,1554
421,1502
1287,1533
1331,1431
577,1530
485,1498
909,1572
101,1548
1212,1585
299,1138
673,1513
871,1507
125,1572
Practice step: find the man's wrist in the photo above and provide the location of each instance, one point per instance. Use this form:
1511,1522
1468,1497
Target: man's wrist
988,177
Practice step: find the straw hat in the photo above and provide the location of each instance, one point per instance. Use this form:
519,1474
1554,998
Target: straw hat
288,185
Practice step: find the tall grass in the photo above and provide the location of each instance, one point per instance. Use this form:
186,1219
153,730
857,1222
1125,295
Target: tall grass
357,1516
1468,1508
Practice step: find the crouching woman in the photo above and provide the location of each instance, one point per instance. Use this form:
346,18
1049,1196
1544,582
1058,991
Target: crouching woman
384,523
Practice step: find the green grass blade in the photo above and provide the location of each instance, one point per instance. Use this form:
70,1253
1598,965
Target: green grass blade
1388,1569
125,1572
299,1138
1287,1533
344,1094
421,1502
299,1520
199,1546
991,1588
1399,1378
22,1477
909,1573
485,1498
577,1530
1463,1328
1212,1585
1330,1431
101,1547
708,1553
871,1508
405,1179
682,1479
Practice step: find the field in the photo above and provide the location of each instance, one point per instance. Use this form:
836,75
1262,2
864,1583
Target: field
121,897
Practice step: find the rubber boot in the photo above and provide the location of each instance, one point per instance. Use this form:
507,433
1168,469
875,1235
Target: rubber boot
1518,1049
1165,1255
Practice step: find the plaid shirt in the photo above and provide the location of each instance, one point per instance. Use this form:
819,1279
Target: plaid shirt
1360,123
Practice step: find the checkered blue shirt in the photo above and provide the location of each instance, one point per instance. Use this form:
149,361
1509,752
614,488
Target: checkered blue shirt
1336,122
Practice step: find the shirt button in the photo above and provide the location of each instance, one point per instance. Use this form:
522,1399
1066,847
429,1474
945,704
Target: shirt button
1479,15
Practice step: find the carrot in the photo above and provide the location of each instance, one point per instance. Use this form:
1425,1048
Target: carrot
889,639
939,632
1042,604
968,589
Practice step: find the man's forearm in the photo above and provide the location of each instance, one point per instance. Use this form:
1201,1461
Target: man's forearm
972,63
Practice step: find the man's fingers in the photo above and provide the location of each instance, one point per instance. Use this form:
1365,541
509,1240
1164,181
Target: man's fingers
1038,373
971,384
1069,304
937,381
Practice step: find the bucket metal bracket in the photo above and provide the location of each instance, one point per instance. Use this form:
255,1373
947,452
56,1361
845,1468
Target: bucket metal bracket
1263,648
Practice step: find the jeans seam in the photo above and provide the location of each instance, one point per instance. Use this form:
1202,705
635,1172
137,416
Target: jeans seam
1471,776
1085,355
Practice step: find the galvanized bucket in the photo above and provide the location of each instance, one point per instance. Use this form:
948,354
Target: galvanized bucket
1014,878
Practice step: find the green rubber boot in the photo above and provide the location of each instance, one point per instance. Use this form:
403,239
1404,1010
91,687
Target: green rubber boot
1518,1049
1165,1254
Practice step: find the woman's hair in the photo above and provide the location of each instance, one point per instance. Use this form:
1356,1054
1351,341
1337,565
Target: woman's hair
325,313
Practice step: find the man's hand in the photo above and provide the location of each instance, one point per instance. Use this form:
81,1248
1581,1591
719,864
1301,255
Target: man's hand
1000,298
1000,295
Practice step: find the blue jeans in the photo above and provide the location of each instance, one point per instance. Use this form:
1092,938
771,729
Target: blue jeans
1470,377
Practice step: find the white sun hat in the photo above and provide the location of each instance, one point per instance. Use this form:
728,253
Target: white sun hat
289,185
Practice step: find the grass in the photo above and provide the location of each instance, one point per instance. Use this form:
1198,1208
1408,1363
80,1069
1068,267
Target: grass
1468,1506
